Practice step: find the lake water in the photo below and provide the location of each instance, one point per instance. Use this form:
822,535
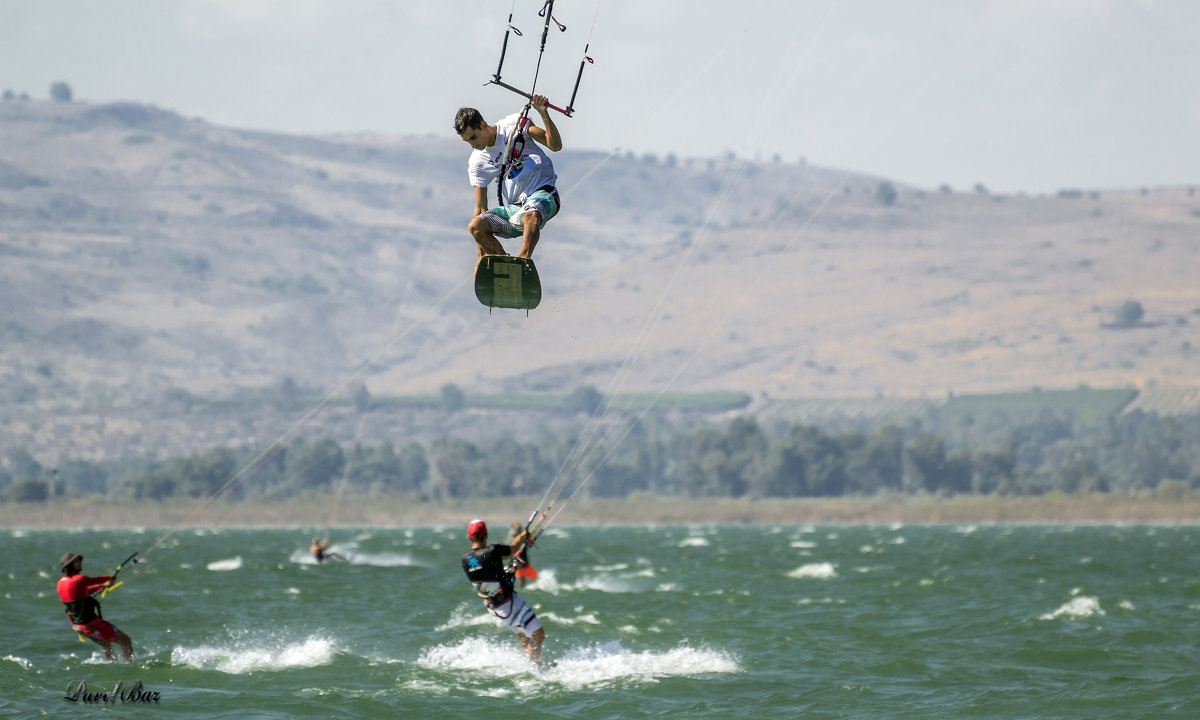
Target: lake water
672,621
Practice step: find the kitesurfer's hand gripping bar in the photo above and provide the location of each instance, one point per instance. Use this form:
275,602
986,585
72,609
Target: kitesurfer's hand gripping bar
113,580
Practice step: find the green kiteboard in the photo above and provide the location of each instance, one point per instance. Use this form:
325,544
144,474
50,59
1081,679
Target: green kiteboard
503,281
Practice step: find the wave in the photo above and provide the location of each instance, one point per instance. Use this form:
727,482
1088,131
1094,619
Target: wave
820,571
1076,607
628,581
234,563
25,664
580,667
606,583
474,614
468,614
351,557
246,656
556,619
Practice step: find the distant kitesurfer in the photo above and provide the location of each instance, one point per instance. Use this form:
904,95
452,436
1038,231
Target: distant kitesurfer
77,592
485,568
320,550
528,183
524,568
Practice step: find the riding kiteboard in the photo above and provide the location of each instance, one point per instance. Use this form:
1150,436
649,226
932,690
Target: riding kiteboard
503,281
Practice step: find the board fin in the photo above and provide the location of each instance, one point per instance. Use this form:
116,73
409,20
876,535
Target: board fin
504,281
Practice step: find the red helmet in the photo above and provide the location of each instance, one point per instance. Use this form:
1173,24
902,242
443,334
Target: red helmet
476,530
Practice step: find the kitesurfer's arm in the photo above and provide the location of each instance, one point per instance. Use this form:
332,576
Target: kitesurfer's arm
547,137
519,543
96,584
481,201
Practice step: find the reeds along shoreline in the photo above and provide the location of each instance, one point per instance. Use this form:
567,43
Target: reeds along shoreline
640,509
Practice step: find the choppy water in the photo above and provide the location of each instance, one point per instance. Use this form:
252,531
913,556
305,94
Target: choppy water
699,621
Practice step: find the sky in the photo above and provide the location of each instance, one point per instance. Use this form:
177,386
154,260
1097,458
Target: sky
1026,96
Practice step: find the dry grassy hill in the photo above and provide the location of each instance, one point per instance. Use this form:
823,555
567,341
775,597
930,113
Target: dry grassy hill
148,255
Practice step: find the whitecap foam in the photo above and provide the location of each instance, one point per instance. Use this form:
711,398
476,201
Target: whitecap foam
604,583
302,557
481,655
234,563
580,667
247,656
803,544
1076,607
546,582
694,542
556,619
383,559
603,664
25,664
820,571
468,615
607,568
348,554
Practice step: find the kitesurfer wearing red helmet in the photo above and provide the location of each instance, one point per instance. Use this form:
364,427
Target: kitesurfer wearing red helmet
486,568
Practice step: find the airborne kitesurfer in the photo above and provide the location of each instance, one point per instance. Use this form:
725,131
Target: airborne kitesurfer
485,568
530,197
77,592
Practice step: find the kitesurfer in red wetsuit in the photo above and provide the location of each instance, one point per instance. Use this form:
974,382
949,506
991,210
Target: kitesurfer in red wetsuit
76,590
520,562
485,568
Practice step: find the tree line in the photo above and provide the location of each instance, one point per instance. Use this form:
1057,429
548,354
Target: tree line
1051,453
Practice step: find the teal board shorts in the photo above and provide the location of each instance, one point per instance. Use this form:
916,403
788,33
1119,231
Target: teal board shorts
505,220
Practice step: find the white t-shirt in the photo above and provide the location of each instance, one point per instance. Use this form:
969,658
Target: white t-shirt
531,168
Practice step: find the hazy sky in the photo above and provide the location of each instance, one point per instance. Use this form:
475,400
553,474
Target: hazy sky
1020,95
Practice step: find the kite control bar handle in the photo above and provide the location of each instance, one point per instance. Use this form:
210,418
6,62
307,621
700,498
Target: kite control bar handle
529,96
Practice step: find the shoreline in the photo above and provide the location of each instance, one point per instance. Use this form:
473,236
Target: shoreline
640,509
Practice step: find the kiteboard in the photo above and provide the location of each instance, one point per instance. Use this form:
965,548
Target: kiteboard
503,281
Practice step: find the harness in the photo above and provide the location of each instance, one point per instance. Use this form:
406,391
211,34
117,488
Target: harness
510,164
83,610
482,571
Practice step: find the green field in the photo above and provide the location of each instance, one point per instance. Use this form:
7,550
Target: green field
714,402
1088,405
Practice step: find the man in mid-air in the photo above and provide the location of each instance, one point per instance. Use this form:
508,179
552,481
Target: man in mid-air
528,182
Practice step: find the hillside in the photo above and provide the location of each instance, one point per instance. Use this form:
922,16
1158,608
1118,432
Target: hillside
148,256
